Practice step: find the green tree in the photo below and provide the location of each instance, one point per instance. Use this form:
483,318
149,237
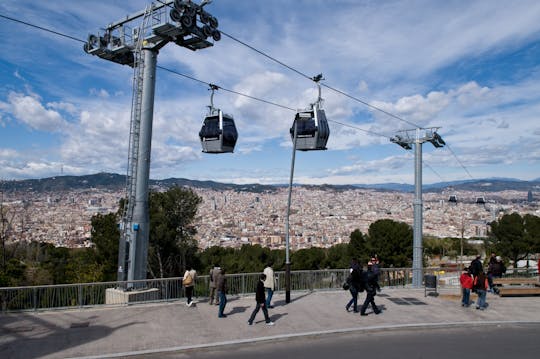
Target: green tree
513,236
172,245
309,258
105,235
392,241
338,256
358,247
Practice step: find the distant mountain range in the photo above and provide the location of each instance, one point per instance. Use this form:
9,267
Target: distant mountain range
114,181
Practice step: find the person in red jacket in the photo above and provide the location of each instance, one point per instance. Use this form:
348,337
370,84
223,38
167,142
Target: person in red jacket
466,280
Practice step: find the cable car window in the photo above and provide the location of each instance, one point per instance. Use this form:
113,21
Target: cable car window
210,128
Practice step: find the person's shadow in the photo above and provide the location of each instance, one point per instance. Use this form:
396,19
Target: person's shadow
236,310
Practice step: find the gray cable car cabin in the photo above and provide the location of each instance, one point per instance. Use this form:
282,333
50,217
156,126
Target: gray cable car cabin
218,133
312,129
452,199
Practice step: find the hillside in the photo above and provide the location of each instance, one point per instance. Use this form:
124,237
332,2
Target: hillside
114,181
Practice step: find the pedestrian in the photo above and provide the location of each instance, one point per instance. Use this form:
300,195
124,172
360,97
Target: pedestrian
491,263
212,279
476,266
496,270
189,283
221,286
466,281
269,284
355,285
480,285
376,265
372,286
260,300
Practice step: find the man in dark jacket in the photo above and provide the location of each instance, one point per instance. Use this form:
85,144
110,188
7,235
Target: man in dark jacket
261,302
372,286
356,285
476,266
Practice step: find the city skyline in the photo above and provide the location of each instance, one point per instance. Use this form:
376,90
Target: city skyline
470,68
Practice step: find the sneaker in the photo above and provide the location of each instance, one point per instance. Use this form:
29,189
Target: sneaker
363,314
189,304
378,312
270,323
347,308
250,323
222,316
271,306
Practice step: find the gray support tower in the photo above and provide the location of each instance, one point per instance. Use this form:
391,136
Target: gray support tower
186,24
406,139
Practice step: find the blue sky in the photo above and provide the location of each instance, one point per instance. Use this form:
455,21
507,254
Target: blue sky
471,68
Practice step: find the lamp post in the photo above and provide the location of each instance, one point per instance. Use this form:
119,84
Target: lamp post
406,139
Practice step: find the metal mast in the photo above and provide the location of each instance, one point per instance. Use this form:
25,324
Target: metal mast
405,140
186,24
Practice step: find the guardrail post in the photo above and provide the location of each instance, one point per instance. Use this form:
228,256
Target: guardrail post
80,295
34,298
243,284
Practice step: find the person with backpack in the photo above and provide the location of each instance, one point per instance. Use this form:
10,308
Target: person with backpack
188,281
354,280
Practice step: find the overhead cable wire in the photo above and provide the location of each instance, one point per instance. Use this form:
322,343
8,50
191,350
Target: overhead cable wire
311,78
42,28
264,101
460,163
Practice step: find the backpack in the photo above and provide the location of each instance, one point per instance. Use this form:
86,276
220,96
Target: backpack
187,281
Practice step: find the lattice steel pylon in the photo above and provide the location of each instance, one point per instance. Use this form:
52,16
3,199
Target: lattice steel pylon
186,24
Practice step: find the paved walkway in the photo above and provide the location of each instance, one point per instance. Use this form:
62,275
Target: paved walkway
151,328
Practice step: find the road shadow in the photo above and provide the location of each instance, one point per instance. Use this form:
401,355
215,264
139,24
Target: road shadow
236,310
283,302
37,337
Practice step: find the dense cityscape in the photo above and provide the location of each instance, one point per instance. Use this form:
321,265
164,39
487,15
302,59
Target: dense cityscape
320,217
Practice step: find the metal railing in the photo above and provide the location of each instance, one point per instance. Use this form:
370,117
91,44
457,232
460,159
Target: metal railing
65,296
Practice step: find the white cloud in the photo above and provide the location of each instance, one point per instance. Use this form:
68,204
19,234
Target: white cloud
28,110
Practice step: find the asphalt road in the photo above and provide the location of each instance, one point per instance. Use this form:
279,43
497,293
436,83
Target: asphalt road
520,341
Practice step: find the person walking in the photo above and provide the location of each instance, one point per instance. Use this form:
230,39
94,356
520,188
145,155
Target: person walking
221,286
355,285
189,283
260,302
480,285
372,286
476,266
466,281
213,292
269,284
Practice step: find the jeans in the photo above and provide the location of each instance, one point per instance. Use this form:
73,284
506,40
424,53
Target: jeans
269,294
354,299
222,302
466,296
256,310
481,298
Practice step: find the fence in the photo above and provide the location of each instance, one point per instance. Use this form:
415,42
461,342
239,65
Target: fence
170,289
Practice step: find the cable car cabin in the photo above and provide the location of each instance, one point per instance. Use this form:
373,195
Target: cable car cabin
312,130
480,200
218,133
452,199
